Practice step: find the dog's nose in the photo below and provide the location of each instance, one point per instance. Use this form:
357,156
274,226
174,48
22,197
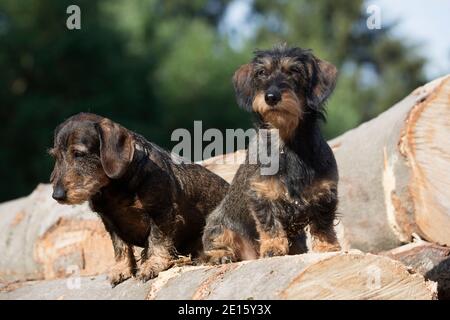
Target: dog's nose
272,97
59,193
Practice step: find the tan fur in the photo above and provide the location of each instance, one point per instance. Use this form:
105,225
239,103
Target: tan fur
242,74
319,190
270,188
78,147
327,71
81,188
325,242
124,268
287,63
285,116
119,273
219,256
266,63
137,204
234,247
277,245
274,247
271,244
159,261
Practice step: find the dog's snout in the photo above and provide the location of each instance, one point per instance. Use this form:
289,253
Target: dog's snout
59,193
272,96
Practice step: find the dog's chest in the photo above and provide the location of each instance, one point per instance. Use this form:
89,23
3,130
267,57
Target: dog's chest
127,216
295,178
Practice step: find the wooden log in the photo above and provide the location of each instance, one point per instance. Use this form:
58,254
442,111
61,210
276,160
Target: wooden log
45,240
225,165
395,177
428,259
309,276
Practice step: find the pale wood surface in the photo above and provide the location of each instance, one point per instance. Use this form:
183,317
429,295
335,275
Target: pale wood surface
308,276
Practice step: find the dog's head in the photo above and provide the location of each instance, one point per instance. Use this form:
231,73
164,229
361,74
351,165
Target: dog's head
283,85
89,151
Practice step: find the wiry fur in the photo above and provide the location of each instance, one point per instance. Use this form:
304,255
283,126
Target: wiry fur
143,197
270,212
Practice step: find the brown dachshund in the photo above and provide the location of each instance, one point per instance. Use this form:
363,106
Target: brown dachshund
142,195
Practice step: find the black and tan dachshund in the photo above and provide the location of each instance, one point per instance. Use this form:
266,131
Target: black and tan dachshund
266,214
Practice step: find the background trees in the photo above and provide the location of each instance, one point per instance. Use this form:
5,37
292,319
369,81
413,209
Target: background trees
157,65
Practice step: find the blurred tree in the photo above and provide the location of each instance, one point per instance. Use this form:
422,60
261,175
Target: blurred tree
156,65
50,73
376,69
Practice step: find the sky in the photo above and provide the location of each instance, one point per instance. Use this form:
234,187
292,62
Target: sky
425,23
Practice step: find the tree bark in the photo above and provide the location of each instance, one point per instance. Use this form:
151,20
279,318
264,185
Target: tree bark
309,276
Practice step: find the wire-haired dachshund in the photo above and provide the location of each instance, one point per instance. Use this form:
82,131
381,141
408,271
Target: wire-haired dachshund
266,214
144,197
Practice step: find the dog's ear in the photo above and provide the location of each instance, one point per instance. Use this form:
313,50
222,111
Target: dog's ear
116,148
324,77
243,87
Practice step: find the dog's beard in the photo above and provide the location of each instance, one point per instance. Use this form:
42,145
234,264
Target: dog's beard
284,116
81,191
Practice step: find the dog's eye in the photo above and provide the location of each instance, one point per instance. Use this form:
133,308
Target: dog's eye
261,73
294,70
78,154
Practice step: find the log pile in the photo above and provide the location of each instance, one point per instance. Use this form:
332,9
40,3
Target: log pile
429,259
309,276
394,188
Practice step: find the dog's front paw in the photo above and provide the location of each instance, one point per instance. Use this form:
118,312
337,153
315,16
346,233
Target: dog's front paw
120,272
273,247
322,245
215,257
151,267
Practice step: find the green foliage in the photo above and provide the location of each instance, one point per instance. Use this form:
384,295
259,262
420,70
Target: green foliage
156,65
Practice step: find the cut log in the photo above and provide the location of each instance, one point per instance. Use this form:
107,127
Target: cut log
395,172
225,165
308,276
430,260
45,240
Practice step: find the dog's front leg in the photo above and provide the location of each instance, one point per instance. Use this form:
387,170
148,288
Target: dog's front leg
321,202
273,240
125,265
125,262
159,253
